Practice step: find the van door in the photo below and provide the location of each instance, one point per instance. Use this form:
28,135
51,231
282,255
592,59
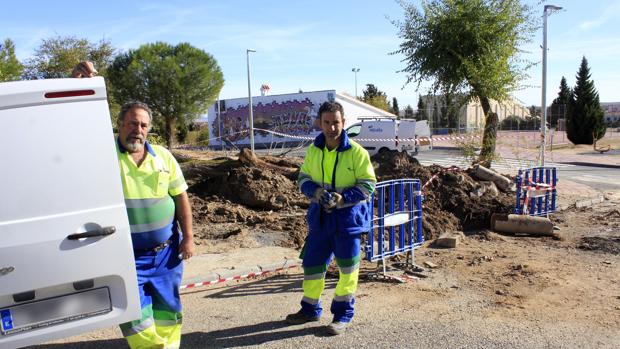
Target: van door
406,136
66,261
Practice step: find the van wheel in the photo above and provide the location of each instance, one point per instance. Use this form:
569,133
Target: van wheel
383,150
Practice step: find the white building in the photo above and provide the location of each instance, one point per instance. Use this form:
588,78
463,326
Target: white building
612,111
471,116
279,118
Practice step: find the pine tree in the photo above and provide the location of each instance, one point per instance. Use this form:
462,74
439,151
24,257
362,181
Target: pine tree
585,123
10,68
408,112
421,109
560,106
395,109
436,116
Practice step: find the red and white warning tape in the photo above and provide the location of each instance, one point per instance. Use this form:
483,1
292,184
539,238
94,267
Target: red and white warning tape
535,190
238,277
418,141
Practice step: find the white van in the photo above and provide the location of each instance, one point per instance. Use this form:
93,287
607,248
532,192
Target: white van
378,134
66,260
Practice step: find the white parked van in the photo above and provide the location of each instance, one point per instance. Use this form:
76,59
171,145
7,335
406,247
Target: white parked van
378,134
66,259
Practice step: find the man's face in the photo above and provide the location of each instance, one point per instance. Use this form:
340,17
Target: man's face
133,129
331,125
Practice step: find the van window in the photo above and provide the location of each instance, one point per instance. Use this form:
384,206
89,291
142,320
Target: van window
354,130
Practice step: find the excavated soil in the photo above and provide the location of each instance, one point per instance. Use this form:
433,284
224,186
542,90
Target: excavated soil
256,200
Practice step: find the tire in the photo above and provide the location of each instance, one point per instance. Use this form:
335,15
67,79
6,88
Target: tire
383,150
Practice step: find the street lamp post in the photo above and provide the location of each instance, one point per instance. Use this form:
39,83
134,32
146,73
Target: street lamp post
250,107
355,70
543,125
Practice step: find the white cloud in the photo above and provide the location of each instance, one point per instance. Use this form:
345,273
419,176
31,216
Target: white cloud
610,12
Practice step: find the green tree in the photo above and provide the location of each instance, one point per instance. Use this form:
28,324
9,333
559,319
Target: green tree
409,114
560,106
375,97
421,114
56,57
435,116
10,68
395,109
178,82
468,46
586,122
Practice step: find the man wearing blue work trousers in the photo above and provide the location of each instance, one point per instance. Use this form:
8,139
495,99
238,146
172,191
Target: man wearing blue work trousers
339,179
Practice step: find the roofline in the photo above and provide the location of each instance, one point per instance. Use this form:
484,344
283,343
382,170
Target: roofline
354,100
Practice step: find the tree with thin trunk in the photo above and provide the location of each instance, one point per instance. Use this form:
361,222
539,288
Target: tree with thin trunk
467,46
179,83
586,121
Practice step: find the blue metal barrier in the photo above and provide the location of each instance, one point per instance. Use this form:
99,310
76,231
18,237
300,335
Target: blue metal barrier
404,212
536,191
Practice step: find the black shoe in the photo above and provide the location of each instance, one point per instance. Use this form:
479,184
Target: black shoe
300,318
337,327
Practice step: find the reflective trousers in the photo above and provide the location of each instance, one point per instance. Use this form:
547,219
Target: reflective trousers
159,277
317,253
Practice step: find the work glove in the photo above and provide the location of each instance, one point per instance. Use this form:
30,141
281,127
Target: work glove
337,200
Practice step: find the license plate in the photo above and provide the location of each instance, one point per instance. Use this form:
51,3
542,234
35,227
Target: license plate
51,311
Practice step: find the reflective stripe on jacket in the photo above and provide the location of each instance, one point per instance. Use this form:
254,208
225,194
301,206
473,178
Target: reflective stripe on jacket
346,170
148,192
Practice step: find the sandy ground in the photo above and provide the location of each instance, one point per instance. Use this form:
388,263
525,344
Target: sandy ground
492,291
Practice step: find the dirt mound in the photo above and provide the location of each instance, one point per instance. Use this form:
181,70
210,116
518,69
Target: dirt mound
261,193
453,198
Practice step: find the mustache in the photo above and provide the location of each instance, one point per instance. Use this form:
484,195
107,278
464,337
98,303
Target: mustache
137,136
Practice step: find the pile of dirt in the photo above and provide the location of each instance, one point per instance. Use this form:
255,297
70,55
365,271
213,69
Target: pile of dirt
454,199
261,193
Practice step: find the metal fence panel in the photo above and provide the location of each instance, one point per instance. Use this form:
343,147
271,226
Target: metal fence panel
536,191
396,227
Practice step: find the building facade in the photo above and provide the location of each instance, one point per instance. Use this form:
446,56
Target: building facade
469,116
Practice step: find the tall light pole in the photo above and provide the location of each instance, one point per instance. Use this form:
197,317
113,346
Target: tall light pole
355,70
250,107
543,124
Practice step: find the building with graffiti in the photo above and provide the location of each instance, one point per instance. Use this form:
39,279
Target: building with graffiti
285,118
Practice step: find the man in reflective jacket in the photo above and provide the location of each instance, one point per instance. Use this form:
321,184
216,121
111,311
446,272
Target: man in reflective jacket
157,206
339,179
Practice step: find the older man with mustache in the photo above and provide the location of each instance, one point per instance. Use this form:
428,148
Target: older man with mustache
160,219
157,206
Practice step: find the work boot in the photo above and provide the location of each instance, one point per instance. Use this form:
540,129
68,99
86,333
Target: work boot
300,318
337,327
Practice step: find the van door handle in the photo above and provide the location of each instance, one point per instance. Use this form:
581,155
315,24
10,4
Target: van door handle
93,233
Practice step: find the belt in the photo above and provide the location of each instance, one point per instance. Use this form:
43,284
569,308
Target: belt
156,248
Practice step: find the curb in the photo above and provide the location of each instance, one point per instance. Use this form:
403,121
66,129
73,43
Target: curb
589,164
583,203
246,273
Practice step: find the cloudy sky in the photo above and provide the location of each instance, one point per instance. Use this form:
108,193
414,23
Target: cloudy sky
313,45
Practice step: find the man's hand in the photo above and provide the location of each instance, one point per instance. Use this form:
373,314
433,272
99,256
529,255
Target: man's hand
318,194
338,200
84,69
187,249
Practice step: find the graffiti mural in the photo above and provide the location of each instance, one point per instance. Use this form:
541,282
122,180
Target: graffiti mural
292,114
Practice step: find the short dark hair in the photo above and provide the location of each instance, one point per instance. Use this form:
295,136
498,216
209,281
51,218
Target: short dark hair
331,107
131,105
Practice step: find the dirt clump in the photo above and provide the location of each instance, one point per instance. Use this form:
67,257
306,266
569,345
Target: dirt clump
453,198
260,192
